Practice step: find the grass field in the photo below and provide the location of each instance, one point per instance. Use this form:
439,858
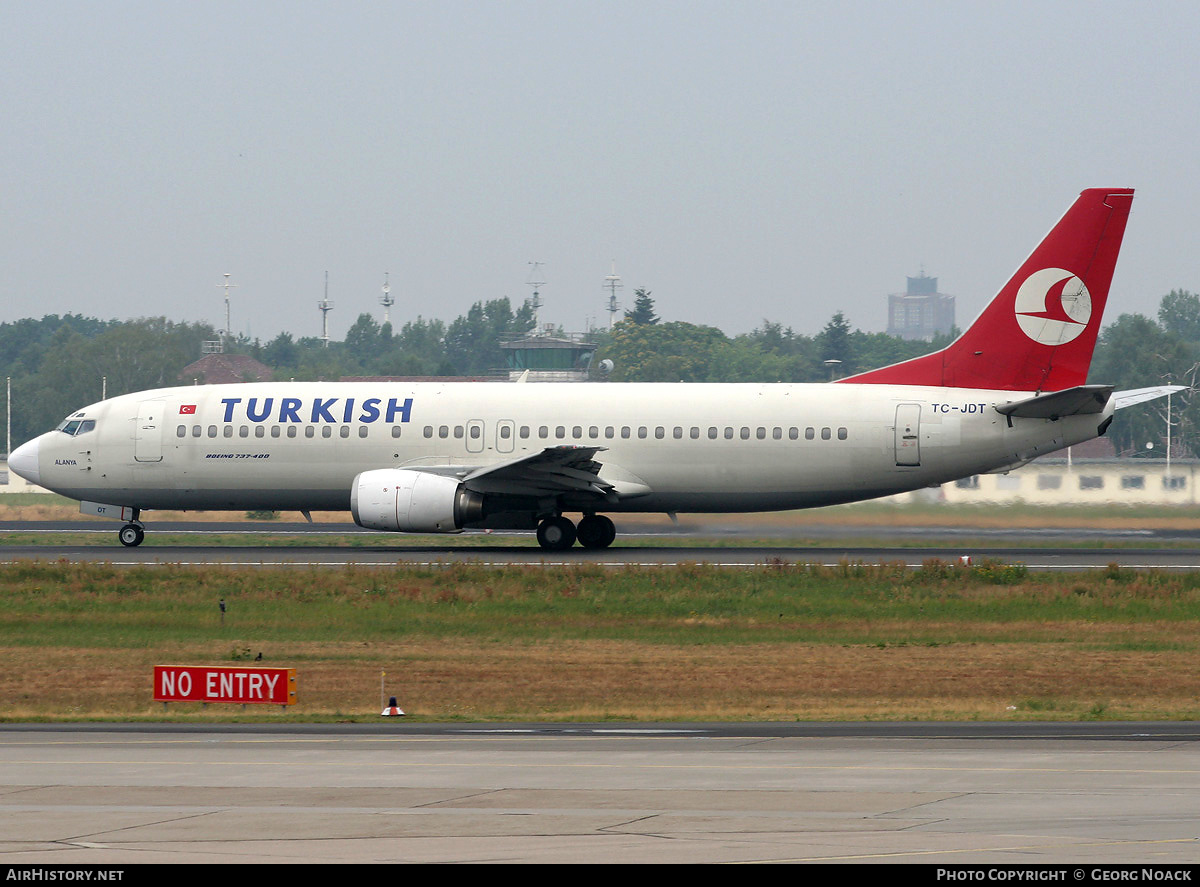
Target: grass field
987,642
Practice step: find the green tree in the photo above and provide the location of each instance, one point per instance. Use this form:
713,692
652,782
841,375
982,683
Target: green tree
643,308
662,352
833,343
1179,314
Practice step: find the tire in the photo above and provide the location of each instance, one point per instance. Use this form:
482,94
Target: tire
131,535
596,531
556,534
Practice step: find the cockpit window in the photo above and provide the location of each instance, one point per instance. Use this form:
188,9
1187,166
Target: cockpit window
75,426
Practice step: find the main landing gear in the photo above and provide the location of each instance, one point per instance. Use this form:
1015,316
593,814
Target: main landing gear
557,533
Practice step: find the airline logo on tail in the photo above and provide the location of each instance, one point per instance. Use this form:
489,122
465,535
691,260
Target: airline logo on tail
1053,306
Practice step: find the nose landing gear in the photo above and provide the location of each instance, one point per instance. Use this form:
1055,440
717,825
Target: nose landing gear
131,534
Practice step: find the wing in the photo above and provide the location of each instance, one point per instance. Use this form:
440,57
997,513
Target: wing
554,471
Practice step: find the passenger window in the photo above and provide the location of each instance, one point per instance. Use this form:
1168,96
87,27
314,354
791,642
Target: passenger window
309,431
745,433
659,432
505,432
395,431
728,433
609,431
543,432
776,434
761,434
274,431
362,430
810,433
474,431
228,431
593,431
327,431
677,432
344,431
212,430
181,431
443,431
825,434
458,432
195,431
712,432
524,432
642,431
560,431
428,431
842,434
625,432
291,431
243,431
259,431
793,433
577,431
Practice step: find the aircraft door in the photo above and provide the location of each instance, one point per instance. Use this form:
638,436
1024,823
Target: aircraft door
908,434
505,433
475,436
147,431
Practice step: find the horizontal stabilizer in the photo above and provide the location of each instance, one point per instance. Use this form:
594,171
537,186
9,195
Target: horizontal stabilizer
1071,402
1124,399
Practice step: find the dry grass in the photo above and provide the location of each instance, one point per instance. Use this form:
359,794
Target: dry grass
598,680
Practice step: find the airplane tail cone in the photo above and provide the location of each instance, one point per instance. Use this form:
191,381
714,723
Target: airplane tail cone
392,710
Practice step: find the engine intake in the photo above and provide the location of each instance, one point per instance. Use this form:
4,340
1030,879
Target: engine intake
405,501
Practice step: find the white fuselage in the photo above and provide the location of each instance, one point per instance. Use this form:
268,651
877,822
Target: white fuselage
665,447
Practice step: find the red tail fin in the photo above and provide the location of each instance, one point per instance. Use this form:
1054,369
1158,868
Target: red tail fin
1039,332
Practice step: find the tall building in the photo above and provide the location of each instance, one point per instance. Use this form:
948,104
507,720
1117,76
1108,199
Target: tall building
921,312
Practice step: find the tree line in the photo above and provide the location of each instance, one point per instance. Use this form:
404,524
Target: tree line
60,363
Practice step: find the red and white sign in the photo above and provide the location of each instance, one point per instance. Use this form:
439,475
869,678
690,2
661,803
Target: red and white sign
241,686
187,409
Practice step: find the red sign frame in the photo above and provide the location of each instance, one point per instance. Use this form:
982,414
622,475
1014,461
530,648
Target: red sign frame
244,685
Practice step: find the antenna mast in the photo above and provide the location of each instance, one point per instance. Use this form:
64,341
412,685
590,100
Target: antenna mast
225,332
536,281
386,300
325,307
612,283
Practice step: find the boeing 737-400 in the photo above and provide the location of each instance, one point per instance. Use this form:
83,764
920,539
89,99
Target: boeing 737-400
438,458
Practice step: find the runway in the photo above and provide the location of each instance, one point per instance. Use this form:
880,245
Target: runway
1018,794
243,553
333,545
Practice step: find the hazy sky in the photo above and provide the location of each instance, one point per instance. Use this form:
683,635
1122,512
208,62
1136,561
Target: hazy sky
778,160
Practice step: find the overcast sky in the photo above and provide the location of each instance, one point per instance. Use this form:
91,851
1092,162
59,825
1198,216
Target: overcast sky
777,160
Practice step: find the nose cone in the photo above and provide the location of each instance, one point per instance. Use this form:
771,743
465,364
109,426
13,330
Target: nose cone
24,461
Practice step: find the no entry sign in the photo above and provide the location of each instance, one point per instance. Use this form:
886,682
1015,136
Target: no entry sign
241,686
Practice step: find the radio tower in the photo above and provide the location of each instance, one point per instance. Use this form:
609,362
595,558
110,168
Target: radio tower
536,281
386,300
612,283
325,306
225,332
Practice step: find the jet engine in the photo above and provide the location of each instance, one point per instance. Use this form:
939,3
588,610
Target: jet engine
406,501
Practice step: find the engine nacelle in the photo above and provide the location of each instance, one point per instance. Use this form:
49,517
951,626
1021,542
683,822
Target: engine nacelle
406,501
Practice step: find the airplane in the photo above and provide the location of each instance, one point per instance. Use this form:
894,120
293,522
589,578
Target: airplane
441,458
